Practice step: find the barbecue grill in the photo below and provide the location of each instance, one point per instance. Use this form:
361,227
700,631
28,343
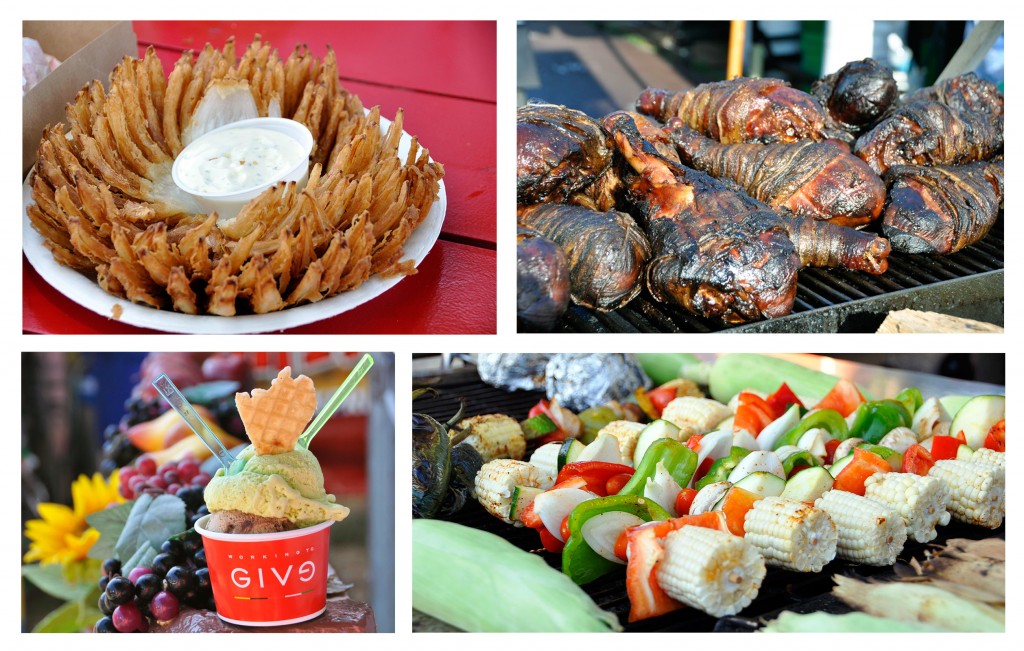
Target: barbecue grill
968,283
781,590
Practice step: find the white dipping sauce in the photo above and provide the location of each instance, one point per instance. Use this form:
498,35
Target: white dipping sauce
235,160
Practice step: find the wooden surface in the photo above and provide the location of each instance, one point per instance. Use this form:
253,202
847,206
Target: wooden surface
443,74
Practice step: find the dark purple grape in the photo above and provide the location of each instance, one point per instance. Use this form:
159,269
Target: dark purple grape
179,581
127,618
164,606
103,582
147,586
105,625
190,546
162,563
111,566
172,547
119,591
200,558
202,579
203,510
192,496
106,607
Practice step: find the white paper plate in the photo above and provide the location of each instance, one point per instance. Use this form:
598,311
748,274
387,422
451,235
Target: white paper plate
88,294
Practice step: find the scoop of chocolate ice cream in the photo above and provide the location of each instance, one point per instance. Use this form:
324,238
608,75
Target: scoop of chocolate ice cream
241,522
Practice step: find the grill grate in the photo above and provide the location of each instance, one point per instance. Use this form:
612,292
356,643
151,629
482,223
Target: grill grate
781,589
834,299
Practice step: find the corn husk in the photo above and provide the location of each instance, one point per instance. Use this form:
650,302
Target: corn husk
479,582
789,622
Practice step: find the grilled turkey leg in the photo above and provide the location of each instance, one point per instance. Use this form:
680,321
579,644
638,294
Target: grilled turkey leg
740,110
814,179
942,209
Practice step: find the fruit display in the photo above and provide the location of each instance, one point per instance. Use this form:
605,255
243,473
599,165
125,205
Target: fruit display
155,593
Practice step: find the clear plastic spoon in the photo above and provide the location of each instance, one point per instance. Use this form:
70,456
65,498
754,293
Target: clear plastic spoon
357,374
181,405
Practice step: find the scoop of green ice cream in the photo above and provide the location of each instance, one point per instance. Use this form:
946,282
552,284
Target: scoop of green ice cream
287,485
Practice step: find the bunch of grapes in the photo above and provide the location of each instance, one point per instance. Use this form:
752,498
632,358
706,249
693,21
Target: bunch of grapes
173,477
178,575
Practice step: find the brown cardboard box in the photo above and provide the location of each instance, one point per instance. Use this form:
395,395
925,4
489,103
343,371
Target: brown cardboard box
87,50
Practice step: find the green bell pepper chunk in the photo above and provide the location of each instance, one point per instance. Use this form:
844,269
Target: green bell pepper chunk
911,398
875,419
801,458
594,419
579,560
679,460
827,419
720,469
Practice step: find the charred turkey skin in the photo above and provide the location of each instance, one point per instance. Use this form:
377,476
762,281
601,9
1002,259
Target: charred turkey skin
606,251
855,97
813,179
940,210
929,133
559,152
542,281
740,110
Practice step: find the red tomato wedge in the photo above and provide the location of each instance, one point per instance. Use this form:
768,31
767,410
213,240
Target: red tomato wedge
660,398
702,469
709,520
531,519
595,475
830,450
684,500
737,502
646,597
945,447
863,465
996,437
616,482
551,544
844,398
782,399
752,413
694,441
917,460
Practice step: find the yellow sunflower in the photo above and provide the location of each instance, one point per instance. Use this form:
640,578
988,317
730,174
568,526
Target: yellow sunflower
62,534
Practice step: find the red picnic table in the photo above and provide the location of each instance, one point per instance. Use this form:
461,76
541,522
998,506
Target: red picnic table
444,75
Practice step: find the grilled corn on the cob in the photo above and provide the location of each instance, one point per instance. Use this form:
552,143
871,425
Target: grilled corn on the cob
711,570
869,532
494,436
920,501
695,415
791,534
497,480
977,491
626,433
989,457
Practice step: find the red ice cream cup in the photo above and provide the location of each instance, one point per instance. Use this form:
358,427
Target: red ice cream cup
268,579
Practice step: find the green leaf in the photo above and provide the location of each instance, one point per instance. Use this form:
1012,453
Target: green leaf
110,523
151,520
54,581
144,555
72,617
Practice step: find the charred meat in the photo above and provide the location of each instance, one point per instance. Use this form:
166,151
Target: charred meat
542,281
740,110
716,253
969,93
855,97
606,252
929,133
814,179
560,153
942,209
